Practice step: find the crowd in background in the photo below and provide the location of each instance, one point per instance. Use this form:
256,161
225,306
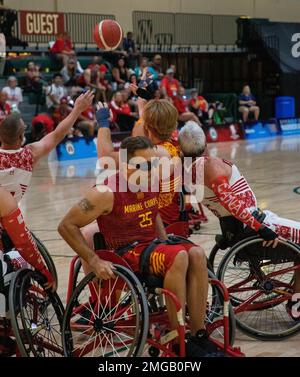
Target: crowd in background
114,82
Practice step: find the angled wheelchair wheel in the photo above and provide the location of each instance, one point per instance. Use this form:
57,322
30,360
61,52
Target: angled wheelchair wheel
107,318
215,313
260,284
36,316
47,257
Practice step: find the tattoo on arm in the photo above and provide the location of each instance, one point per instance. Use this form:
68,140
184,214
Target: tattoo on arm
86,206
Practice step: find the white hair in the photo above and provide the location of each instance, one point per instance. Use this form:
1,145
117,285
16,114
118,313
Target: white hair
192,139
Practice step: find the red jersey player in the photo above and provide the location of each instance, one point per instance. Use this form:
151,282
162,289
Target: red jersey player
133,217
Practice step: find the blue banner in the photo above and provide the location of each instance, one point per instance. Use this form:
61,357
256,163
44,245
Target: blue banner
290,126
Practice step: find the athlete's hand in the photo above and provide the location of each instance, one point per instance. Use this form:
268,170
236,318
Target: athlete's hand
103,115
84,101
102,268
270,237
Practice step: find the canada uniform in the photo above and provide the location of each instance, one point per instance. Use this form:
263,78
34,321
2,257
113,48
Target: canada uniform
285,228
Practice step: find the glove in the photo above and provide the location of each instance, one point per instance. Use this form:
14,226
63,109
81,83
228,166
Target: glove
266,233
102,116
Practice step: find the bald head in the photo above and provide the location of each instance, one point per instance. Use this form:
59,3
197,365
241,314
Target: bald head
192,139
12,130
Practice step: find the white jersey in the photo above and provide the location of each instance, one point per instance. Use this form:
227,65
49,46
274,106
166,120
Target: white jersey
240,188
16,170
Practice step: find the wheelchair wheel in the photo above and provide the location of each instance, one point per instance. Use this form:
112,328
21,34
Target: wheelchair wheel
259,281
106,318
47,257
36,316
215,312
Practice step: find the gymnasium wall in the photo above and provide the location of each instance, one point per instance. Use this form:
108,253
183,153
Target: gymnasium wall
277,10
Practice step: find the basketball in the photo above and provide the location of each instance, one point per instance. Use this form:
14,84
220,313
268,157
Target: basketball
108,34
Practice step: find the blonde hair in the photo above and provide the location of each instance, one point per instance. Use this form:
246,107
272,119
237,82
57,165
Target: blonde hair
160,117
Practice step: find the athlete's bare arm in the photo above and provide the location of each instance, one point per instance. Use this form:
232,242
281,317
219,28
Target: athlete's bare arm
161,232
213,168
105,146
93,205
49,142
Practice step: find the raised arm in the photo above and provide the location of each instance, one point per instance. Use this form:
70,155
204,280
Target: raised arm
50,141
93,205
105,146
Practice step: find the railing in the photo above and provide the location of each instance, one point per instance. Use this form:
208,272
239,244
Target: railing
184,29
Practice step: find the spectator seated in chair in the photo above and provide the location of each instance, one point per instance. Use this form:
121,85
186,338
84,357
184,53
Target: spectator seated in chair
247,104
181,105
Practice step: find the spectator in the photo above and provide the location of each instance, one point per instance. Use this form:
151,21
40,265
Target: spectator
120,73
139,70
4,106
86,124
247,104
128,43
200,107
32,71
97,61
63,48
14,93
42,125
122,114
92,80
36,91
155,68
181,105
130,50
169,85
61,112
71,72
55,92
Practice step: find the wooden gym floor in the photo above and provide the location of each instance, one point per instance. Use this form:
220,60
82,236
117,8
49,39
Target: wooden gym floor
271,166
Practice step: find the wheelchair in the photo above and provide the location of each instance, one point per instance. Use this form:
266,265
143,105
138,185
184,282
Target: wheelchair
127,317
189,219
259,281
32,315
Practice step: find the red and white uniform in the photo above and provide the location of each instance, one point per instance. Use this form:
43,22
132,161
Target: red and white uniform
285,228
16,170
239,186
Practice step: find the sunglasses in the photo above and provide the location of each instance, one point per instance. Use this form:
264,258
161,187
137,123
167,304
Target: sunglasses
146,166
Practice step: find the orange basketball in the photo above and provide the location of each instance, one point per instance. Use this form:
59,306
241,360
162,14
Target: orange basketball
108,34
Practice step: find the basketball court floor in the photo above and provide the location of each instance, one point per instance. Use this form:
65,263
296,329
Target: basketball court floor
271,166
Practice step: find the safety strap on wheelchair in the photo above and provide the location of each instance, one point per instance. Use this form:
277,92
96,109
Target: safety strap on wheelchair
145,256
146,252
124,249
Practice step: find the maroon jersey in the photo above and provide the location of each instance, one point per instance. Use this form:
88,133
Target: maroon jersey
169,199
133,217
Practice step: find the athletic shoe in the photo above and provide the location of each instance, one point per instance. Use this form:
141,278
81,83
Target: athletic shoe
200,346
